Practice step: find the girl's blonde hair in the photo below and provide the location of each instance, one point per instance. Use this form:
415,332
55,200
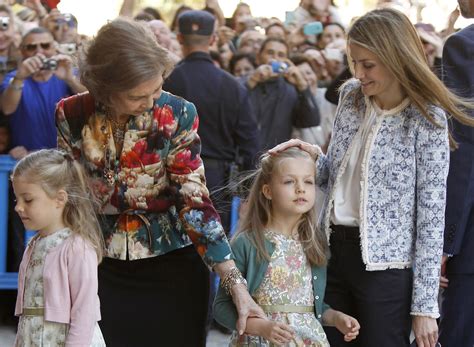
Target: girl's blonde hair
391,36
54,170
258,212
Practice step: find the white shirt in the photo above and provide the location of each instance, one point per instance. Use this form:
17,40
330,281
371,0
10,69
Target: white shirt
347,193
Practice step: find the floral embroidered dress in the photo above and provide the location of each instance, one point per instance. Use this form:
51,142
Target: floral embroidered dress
153,194
287,283
34,330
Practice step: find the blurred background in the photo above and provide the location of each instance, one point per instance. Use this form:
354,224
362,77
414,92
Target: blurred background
428,11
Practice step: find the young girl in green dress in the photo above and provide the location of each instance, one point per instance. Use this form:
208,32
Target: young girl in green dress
283,259
57,283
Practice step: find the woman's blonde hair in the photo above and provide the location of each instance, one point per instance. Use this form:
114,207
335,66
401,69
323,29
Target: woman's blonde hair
258,212
53,171
123,55
391,36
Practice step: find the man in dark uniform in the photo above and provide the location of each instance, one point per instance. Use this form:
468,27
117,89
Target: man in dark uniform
457,313
227,125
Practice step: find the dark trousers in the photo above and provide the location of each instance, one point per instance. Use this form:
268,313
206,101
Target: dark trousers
159,301
457,319
456,326
379,300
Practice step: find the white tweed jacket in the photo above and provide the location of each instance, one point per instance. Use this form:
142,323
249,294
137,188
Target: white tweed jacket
403,190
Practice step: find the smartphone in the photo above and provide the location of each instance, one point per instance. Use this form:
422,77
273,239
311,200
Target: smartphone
313,28
333,54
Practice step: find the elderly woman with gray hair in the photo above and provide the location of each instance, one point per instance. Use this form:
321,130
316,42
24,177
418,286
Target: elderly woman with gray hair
140,147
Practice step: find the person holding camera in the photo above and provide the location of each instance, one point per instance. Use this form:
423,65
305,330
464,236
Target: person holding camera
280,95
30,93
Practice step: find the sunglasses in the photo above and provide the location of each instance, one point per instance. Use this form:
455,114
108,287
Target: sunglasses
34,46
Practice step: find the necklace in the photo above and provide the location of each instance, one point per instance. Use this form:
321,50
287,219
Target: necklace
118,129
110,160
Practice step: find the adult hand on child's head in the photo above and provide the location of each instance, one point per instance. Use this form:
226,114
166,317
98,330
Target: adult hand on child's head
313,150
426,331
347,325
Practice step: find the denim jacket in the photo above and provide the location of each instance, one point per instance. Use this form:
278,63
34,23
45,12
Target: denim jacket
403,190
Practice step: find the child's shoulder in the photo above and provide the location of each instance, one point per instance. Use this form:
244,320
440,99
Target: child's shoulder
75,244
242,239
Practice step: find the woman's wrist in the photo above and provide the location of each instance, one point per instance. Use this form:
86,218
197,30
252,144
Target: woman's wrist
231,279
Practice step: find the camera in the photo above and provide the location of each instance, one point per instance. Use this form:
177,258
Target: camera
278,66
4,23
67,48
49,64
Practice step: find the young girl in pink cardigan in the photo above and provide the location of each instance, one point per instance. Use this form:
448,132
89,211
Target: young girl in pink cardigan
57,284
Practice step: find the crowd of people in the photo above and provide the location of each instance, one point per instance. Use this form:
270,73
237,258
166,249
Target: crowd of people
349,144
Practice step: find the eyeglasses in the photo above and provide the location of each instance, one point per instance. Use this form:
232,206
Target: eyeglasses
34,46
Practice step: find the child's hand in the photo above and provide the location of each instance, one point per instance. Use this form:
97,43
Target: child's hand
347,325
276,332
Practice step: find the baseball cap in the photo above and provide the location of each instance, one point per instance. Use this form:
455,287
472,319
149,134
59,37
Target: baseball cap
196,23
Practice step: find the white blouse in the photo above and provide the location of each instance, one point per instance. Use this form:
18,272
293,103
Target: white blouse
347,192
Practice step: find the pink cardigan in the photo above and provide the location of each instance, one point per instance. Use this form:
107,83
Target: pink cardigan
70,288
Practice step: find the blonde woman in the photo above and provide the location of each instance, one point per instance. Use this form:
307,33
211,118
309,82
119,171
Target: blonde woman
385,175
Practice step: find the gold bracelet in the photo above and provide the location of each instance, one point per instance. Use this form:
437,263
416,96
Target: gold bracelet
233,277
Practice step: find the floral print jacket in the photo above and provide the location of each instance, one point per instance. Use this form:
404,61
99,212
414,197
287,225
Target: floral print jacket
153,196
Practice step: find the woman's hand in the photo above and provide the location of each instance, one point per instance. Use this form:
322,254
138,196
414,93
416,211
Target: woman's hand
313,150
246,307
347,325
426,331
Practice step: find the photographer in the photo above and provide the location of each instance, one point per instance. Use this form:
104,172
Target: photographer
280,95
30,93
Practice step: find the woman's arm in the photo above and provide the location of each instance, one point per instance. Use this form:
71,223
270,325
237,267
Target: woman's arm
432,164
233,311
244,304
200,220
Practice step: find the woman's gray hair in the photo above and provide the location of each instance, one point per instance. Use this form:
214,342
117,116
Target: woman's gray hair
123,55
